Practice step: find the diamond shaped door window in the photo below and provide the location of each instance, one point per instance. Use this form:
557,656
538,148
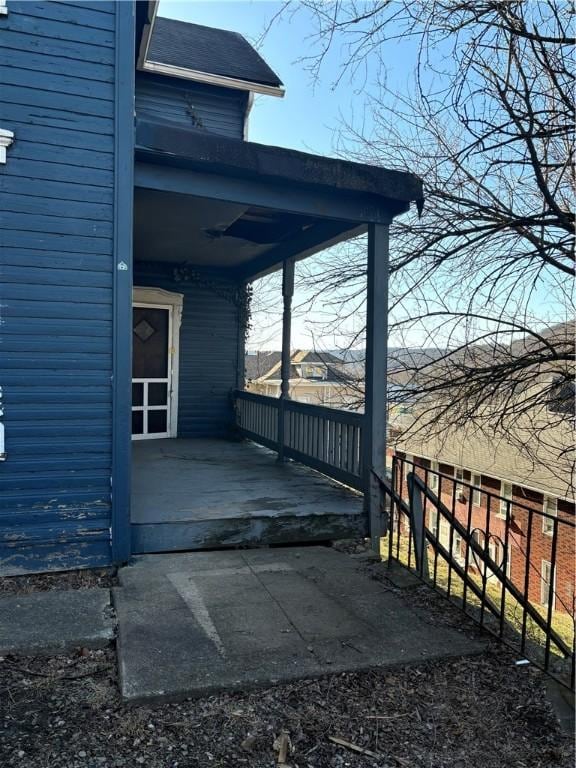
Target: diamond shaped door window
144,330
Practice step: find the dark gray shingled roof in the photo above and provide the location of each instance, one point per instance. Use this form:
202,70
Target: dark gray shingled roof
205,49
259,363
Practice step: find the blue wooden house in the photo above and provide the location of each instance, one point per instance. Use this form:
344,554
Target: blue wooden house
134,214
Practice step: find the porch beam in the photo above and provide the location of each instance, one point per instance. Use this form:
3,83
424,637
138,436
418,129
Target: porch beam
323,235
375,383
268,192
287,294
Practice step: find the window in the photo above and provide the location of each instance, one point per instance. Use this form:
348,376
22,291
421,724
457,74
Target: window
479,539
477,493
433,478
316,371
408,463
460,489
506,492
550,508
547,577
496,553
444,536
433,522
457,549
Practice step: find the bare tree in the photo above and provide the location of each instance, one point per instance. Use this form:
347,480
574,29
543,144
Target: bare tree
483,279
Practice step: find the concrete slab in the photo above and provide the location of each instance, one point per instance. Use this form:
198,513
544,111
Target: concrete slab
203,494
197,623
56,622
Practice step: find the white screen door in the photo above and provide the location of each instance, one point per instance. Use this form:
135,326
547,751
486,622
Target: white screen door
151,371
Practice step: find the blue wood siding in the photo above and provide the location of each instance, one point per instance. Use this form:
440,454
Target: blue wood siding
208,350
57,74
192,105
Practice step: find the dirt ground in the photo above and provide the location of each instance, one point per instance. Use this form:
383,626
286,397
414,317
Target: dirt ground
477,712
481,712
44,582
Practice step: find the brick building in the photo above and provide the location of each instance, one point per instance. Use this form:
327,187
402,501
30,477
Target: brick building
527,538
532,492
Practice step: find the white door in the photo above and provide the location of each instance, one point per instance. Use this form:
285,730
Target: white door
151,370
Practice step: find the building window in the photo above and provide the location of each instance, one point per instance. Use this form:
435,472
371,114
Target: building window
313,372
433,522
547,577
477,493
497,552
506,493
432,477
408,464
460,489
444,534
550,508
457,549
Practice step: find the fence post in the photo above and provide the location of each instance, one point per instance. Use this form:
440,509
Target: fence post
418,526
287,293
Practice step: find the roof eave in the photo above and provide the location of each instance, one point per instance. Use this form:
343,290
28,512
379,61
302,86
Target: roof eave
150,18
385,192
159,68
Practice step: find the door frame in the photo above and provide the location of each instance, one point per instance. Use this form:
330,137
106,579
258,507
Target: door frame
159,298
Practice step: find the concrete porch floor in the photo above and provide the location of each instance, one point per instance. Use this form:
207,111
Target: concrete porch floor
203,494
192,624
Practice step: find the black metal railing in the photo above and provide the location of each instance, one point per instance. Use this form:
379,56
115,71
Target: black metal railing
325,439
507,565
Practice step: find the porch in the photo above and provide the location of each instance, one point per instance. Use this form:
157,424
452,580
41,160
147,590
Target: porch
212,493
211,216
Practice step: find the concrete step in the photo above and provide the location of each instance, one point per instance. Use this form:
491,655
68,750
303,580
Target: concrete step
197,623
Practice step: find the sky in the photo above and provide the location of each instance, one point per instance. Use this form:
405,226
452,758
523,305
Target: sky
309,112
304,119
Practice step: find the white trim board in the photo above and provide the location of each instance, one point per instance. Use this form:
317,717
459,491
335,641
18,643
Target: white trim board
210,79
158,297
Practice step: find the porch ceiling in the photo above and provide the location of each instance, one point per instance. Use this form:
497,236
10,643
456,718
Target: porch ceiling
174,227
215,201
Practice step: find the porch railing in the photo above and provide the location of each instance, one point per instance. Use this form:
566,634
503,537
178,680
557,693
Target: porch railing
508,566
326,439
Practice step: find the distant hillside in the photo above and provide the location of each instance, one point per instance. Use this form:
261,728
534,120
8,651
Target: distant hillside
398,357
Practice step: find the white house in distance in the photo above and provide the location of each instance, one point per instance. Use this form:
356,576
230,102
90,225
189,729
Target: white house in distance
319,378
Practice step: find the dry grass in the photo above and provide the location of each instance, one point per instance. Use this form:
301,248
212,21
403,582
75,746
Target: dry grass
445,577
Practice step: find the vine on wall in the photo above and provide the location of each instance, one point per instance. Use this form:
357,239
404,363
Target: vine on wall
240,295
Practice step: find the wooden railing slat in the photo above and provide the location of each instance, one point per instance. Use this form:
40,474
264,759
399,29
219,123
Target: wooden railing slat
325,439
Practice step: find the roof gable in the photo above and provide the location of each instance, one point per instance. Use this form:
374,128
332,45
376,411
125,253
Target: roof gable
205,49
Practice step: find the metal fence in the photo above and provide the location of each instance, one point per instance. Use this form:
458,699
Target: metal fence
326,439
507,565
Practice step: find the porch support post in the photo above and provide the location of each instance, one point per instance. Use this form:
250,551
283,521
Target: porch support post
287,294
122,284
375,383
